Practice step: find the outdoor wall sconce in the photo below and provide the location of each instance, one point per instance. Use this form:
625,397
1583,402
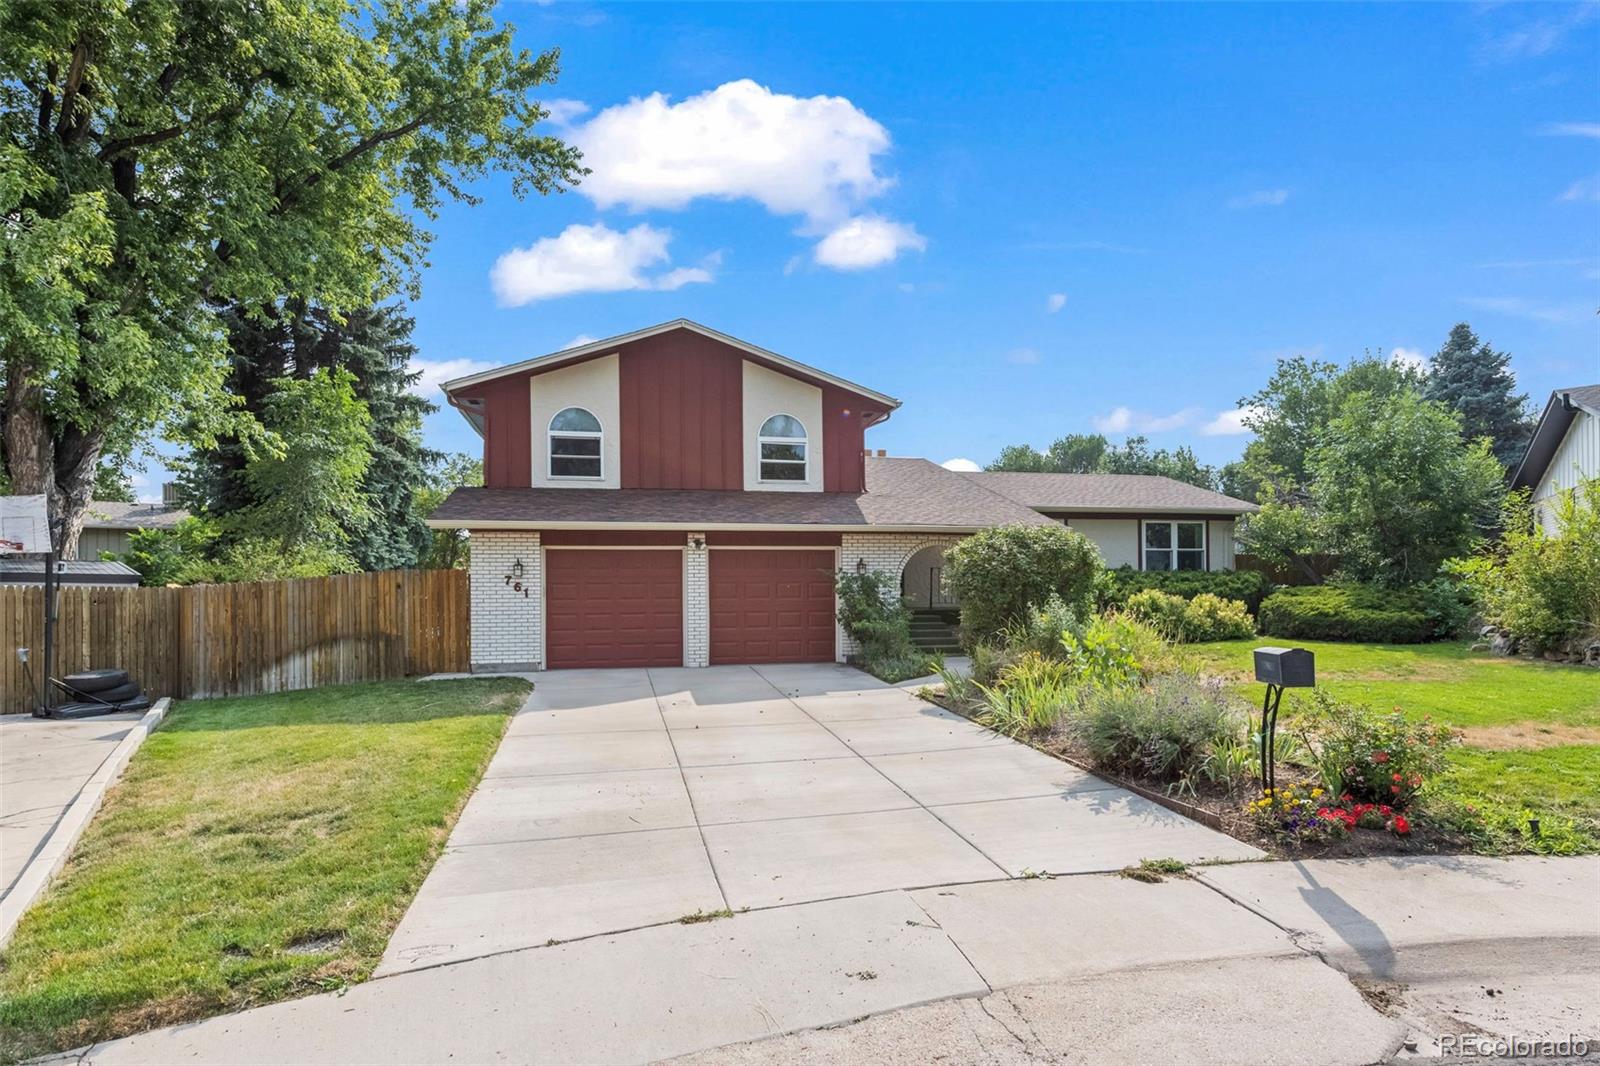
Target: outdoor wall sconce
861,566
516,570
697,543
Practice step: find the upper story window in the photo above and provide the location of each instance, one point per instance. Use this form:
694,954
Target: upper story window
783,449
575,438
1174,545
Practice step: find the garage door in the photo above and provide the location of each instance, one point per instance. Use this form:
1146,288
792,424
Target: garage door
771,606
613,608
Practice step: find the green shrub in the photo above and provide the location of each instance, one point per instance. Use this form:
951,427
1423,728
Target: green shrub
1209,617
998,573
871,611
1041,628
1166,730
1543,587
1116,586
1031,694
1206,617
1349,612
989,661
1162,610
1369,755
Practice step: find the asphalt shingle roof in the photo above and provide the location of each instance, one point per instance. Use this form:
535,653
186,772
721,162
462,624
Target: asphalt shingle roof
1108,492
901,493
108,514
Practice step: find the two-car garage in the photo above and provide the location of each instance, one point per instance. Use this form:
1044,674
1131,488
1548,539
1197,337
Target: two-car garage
620,606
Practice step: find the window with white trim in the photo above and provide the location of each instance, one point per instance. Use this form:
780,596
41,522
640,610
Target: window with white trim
575,439
1174,545
783,449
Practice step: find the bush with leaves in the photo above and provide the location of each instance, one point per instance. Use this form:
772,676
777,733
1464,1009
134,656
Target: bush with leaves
1117,586
1166,730
1350,612
1029,696
998,574
1040,630
1369,755
1206,617
872,611
1543,586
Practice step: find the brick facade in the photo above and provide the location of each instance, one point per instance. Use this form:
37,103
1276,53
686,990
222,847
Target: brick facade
696,602
505,623
888,552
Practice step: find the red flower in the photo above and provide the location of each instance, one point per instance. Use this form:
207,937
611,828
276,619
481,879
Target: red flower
1394,788
1380,756
1395,778
1400,825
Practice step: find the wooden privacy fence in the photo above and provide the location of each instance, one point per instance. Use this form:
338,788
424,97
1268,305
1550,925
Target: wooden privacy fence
233,640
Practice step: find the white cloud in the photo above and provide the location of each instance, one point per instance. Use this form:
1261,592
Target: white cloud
562,112
906,286
1229,423
1260,198
1570,129
1055,302
588,259
578,342
1023,356
964,465
1582,189
1531,39
811,156
867,241
435,372
1408,357
1127,420
1517,307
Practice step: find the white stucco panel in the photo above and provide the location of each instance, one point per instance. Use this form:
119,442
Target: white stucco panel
768,393
594,386
1117,538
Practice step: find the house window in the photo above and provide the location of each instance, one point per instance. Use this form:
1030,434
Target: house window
783,449
1174,545
575,445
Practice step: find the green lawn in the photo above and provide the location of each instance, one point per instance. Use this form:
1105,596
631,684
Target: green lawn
1531,729
256,849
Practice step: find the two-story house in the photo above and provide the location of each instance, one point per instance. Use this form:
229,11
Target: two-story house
676,496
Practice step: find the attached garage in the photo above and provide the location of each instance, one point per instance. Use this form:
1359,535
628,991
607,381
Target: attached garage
772,605
613,607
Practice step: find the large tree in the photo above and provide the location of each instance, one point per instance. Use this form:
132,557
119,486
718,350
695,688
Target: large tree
1470,377
160,159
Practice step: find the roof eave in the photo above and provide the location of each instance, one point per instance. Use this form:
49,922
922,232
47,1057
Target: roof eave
607,343
719,527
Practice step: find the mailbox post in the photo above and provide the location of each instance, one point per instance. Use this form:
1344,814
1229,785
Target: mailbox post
1279,668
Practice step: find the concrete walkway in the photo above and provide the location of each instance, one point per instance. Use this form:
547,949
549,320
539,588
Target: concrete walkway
44,764
627,798
1091,969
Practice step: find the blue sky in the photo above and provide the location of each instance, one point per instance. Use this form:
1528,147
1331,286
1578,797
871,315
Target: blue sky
895,194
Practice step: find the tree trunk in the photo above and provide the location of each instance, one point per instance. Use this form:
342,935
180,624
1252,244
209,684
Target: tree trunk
62,471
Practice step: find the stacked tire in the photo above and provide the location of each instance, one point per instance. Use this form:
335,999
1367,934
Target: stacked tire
99,688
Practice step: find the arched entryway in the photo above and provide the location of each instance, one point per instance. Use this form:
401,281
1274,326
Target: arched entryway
922,580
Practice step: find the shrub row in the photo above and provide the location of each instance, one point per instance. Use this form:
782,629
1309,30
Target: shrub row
1351,612
1205,617
1116,586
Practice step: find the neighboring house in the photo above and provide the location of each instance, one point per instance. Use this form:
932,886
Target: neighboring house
108,524
676,496
1565,449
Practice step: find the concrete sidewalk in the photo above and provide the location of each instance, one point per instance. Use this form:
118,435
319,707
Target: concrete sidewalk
1226,968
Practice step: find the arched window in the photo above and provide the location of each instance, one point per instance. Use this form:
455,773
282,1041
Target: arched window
783,449
575,444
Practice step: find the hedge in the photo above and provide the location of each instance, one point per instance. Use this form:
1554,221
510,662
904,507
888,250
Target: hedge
1349,612
1117,585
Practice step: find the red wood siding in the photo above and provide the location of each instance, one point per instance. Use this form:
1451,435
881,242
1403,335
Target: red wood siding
844,435
613,608
507,440
682,407
771,606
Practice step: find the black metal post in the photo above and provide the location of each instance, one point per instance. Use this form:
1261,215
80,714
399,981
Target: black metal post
1269,738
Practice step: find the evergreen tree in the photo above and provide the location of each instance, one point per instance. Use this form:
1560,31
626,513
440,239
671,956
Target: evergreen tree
373,346
1470,377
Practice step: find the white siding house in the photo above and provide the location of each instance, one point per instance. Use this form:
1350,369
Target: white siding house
1564,450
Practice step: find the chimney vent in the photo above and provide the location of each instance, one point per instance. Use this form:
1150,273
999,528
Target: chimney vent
882,454
169,494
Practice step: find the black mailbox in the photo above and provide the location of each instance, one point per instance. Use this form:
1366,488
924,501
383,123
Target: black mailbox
1286,667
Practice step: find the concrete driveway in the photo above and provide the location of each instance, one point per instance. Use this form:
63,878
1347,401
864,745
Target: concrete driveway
628,798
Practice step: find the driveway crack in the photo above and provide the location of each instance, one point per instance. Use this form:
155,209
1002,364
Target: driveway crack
687,791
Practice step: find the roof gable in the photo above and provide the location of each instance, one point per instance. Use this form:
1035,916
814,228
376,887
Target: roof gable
1560,410
609,344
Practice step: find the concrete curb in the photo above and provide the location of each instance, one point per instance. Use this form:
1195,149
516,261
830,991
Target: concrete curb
52,854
